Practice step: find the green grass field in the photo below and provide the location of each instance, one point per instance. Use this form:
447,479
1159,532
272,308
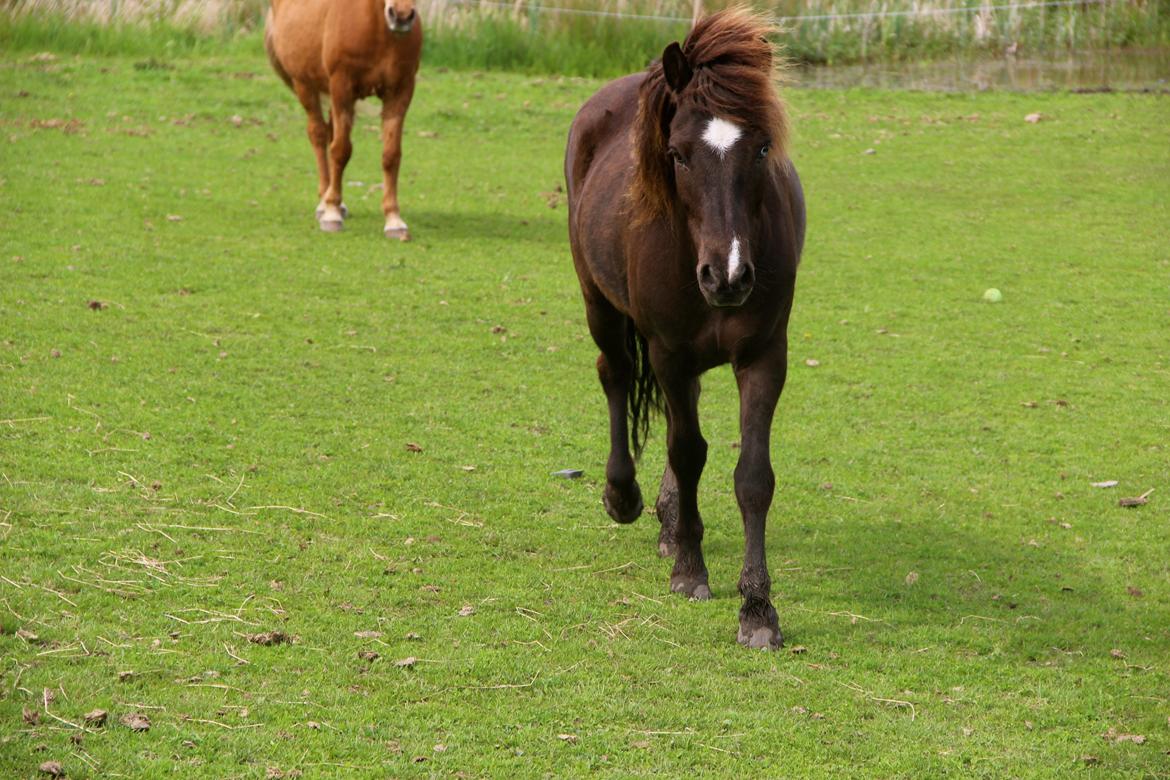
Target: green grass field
217,423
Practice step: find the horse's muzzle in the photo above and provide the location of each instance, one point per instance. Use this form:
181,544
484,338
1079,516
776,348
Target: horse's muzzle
400,24
723,292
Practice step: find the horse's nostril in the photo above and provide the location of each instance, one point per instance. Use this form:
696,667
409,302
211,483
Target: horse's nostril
706,274
747,277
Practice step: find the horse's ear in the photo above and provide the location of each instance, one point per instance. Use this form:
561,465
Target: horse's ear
675,68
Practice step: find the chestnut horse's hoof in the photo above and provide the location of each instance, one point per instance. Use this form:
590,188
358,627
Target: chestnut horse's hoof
396,227
623,507
692,587
321,210
331,225
759,628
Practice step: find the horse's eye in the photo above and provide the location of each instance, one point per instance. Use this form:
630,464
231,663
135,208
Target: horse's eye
764,151
677,157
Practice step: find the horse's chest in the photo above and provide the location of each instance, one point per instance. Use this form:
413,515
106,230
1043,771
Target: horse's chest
375,81
705,338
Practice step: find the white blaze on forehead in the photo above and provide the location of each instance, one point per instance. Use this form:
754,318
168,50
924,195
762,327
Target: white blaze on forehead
721,135
733,258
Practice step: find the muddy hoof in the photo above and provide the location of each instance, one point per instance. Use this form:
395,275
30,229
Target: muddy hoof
760,628
762,638
623,508
401,234
692,587
331,225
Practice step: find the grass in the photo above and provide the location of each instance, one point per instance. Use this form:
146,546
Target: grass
566,37
221,448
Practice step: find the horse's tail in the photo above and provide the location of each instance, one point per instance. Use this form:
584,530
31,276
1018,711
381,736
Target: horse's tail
270,48
645,393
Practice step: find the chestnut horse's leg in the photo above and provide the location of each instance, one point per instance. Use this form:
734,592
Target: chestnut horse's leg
615,368
759,389
319,136
341,100
687,454
393,114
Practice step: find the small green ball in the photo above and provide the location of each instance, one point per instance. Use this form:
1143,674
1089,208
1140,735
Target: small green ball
992,295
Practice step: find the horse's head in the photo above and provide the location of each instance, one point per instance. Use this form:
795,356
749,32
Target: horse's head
710,133
400,15
720,173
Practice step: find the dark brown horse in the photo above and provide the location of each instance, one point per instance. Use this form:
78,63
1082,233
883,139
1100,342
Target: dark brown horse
686,220
348,50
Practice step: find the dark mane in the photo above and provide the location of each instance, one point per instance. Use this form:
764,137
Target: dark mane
735,74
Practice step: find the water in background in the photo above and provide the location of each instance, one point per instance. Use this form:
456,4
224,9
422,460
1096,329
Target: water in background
1117,69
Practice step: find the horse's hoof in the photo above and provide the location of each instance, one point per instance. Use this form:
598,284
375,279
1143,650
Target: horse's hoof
331,225
321,210
759,627
693,587
761,638
395,227
623,508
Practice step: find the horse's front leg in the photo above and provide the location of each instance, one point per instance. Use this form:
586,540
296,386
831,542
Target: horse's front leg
319,136
394,105
341,102
687,455
759,389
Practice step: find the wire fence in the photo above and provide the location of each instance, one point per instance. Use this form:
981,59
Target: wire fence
923,12
155,10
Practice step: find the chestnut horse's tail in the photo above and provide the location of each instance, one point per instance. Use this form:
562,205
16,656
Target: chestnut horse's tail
645,393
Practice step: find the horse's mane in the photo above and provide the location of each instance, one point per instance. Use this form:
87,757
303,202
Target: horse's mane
736,69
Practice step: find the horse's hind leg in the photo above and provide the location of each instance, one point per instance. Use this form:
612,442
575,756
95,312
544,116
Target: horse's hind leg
615,368
687,455
666,507
667,510
393,114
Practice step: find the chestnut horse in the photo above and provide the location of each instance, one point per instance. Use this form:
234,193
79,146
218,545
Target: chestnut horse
693,268
348,50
